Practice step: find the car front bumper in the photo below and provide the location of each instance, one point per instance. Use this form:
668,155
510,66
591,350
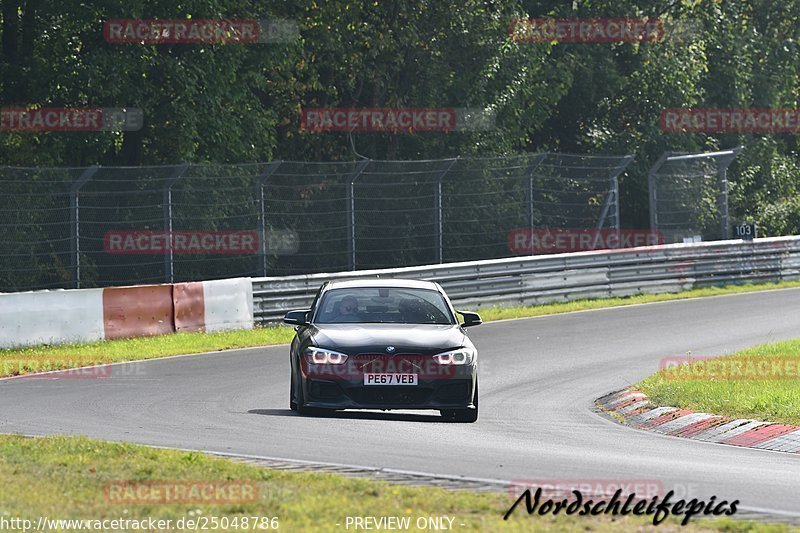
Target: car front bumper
454,391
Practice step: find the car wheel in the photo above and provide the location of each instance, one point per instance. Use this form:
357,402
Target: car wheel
292,402
301,400
463,415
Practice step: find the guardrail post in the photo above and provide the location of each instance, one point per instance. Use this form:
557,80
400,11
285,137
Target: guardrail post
75,223
529,178
351,212
613,191
261,180
169,272
437,212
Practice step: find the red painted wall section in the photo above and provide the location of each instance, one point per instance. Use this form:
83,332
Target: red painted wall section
140,311
189,304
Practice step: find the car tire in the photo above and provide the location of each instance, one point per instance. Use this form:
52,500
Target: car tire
292,402
301,400
463,415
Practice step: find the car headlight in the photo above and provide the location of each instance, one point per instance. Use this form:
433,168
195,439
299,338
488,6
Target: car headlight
462,356
321,356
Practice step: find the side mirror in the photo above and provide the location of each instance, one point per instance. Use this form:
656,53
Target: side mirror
470,319
296,318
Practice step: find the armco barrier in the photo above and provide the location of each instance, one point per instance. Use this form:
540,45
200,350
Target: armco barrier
78,315
565,277
81,315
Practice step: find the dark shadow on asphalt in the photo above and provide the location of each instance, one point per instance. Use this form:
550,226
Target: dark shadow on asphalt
356,415
273,412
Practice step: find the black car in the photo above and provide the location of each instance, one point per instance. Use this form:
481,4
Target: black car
383,344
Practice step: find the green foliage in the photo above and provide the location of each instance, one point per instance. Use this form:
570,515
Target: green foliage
200,101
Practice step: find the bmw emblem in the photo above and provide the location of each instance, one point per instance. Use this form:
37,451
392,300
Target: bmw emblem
390,349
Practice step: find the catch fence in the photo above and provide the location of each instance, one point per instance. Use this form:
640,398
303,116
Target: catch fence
689,195
103,226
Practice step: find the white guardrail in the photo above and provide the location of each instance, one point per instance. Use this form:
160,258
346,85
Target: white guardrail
542,279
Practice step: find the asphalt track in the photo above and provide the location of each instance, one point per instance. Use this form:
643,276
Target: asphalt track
539,378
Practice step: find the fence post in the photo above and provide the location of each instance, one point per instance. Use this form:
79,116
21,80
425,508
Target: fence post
613,192
722,181
651,187
529,175
262,215
351,212
169,273
75,222
722,201
437,213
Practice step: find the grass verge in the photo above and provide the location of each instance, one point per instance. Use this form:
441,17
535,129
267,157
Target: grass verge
762,382
79,478
27,360
20,361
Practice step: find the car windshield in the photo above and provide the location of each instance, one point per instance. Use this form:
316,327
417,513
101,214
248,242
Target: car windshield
394,305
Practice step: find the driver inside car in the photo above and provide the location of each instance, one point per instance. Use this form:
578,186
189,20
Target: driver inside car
347,310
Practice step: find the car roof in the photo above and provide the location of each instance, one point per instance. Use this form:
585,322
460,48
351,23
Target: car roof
383,282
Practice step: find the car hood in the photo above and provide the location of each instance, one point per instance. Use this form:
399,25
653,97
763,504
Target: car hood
374,338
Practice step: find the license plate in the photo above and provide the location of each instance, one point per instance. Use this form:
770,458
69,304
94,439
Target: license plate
390,379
